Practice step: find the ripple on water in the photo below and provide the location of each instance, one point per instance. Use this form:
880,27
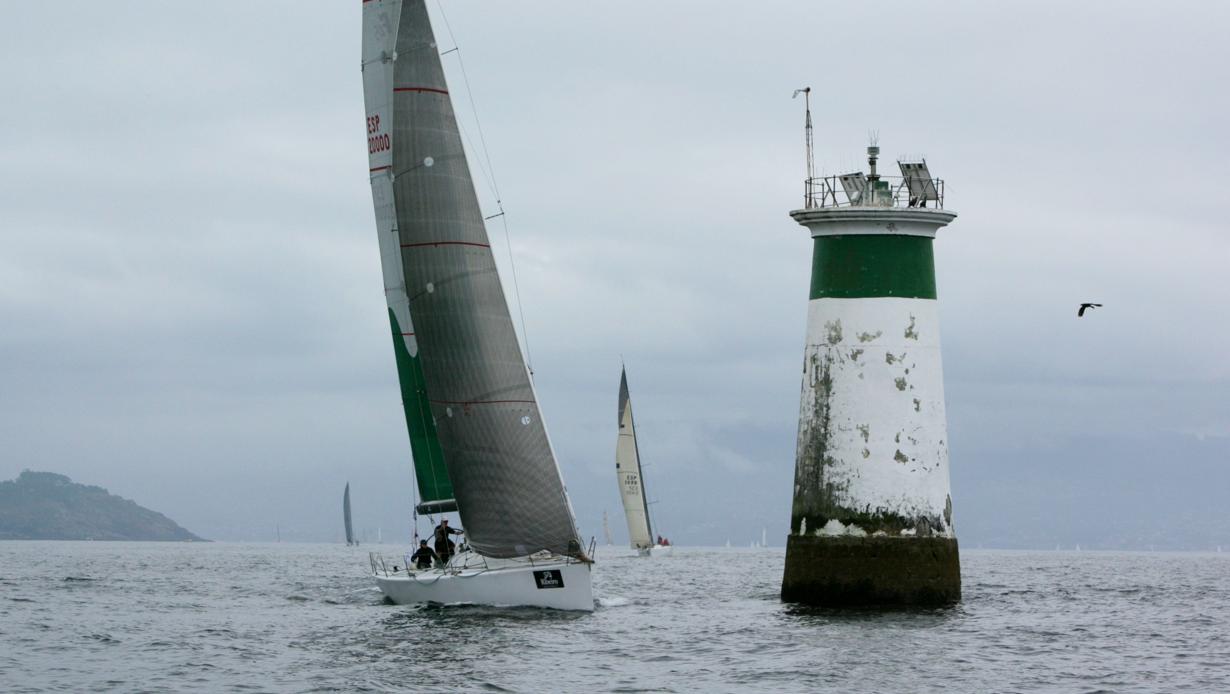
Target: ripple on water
702,621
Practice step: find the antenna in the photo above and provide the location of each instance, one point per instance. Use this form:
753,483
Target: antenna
807,130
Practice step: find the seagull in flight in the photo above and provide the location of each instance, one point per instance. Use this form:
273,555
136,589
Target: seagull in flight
1081,311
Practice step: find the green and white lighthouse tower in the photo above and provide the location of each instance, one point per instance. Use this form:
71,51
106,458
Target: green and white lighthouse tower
871,522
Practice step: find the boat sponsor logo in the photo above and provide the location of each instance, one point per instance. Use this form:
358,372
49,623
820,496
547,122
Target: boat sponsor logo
549,578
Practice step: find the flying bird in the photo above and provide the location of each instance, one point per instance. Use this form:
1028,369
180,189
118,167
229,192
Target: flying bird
1081,311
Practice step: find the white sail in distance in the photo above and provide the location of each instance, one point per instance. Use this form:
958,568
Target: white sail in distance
453,331
628,472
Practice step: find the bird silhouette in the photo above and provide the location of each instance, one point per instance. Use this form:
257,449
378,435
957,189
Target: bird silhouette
1081,311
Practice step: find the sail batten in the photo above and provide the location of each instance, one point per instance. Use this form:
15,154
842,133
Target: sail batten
628,472
477,403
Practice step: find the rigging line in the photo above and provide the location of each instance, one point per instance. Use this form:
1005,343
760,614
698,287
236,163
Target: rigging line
495,188
470,94
469,146
525,334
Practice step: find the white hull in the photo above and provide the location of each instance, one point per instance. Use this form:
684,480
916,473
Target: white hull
655,551
555,583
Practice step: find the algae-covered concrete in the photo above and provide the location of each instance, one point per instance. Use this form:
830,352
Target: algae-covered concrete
847,571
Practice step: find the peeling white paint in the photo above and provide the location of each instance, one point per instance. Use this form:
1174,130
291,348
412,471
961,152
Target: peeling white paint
835,528
884,449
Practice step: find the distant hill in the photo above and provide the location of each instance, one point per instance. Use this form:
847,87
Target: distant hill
47,506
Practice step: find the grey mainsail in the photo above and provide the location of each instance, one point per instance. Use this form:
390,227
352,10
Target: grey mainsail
628,472
443,288
346,515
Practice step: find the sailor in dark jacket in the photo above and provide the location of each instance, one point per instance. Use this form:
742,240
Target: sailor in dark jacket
444,546
424,557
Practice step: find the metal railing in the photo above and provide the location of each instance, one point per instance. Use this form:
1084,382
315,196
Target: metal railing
381,567
885,191
464,561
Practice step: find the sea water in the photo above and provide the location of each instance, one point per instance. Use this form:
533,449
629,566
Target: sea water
98,616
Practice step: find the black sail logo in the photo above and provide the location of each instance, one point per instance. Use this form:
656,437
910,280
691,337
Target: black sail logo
549,578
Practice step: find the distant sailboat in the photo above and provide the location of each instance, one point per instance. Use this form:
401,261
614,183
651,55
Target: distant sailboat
606,529
346,516
477,436
632,481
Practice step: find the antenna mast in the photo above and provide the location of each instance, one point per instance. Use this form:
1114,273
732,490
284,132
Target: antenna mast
807,131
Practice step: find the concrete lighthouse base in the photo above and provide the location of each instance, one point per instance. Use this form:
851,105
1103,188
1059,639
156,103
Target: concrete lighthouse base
846,571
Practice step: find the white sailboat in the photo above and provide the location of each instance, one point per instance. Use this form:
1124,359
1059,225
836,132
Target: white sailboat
632,481
479,444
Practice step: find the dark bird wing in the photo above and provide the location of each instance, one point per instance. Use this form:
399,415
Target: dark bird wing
1081,311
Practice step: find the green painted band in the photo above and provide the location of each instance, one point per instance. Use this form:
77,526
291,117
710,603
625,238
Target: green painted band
429,468
871,265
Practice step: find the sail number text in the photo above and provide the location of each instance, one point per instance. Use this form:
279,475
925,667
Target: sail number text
376,141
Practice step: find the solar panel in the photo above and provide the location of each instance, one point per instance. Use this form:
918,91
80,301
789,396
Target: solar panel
855,185
918,180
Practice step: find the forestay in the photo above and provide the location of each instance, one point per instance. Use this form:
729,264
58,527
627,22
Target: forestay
628,472
465,364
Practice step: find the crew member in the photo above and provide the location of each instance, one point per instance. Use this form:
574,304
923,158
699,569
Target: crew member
445,546
424,557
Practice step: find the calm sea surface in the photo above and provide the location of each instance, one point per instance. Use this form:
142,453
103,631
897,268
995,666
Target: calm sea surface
78,616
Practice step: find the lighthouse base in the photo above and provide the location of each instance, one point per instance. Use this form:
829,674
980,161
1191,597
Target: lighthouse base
846,571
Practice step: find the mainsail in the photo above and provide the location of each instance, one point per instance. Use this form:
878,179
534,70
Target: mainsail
346,515
477,436
628,471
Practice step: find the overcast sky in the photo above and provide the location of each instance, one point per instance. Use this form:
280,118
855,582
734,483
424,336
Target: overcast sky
191,311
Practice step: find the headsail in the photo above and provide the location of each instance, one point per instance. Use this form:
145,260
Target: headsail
380,22
476,401
346,515
628,471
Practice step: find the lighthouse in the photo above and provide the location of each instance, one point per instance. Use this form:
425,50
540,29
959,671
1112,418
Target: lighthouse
871,523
